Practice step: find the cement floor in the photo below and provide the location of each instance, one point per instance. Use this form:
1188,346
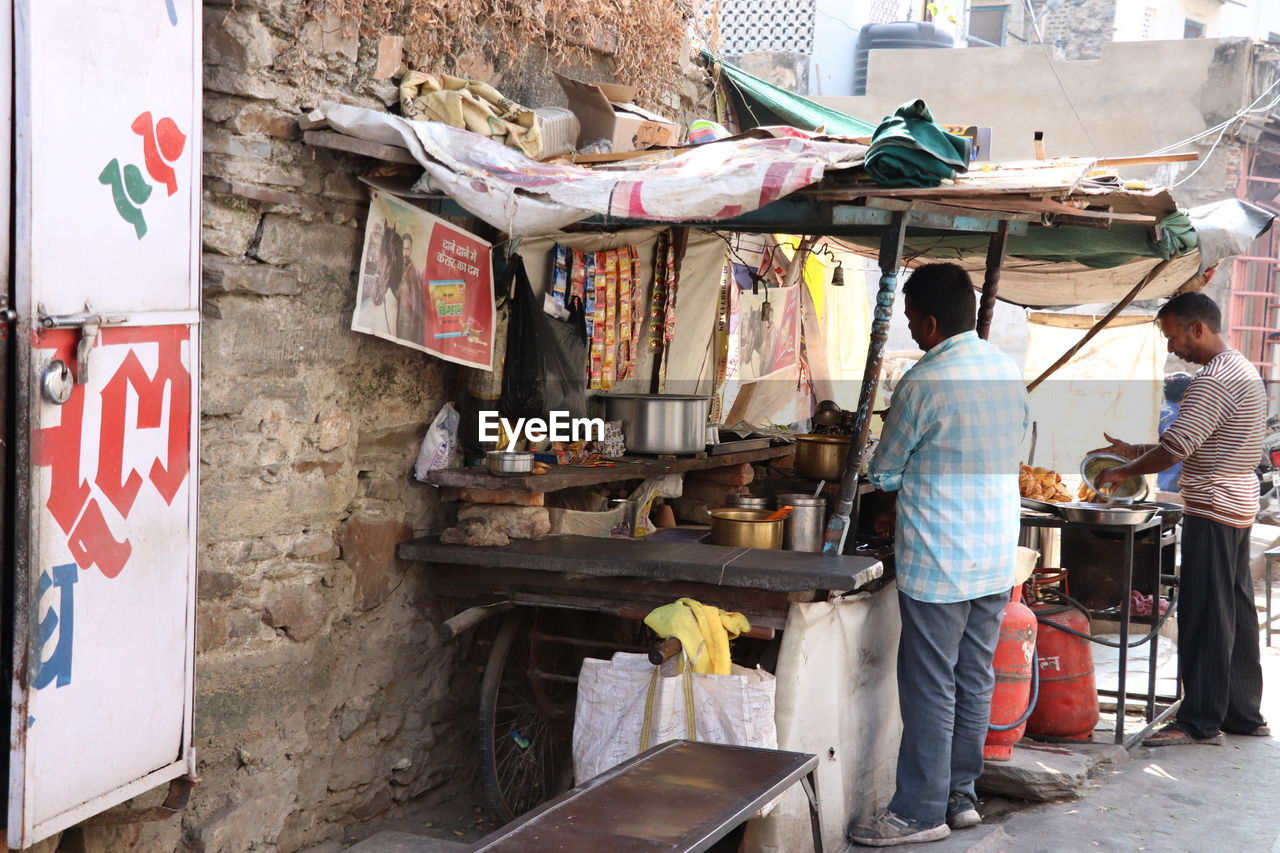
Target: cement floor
1171,799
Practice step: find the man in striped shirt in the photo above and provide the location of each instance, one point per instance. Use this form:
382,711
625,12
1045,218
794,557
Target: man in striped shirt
1218,439
949,453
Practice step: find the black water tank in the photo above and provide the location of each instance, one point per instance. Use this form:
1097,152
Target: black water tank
898,36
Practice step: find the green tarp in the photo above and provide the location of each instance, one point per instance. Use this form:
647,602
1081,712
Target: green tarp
1090,247
759,103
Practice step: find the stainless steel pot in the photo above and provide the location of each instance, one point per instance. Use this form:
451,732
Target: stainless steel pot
749,502
660,423
508,462
806,525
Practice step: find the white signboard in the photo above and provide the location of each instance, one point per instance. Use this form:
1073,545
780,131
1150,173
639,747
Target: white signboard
107,170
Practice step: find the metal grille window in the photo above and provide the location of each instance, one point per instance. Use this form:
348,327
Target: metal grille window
747,26
888,11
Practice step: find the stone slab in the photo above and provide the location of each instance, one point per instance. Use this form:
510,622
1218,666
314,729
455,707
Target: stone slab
782,571
404,842
1044,771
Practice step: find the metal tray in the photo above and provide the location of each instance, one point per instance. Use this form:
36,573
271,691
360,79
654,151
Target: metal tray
738,445
1040,506
1092,513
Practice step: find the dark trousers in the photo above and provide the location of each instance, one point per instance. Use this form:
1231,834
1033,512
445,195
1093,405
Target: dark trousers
945,680
1218,651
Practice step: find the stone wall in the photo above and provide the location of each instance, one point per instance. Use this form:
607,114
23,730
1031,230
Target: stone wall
1075,29
323,696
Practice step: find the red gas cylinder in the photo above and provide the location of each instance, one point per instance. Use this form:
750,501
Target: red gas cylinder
1068,704
1013,677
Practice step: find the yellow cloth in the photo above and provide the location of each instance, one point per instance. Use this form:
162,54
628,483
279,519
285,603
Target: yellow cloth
703,630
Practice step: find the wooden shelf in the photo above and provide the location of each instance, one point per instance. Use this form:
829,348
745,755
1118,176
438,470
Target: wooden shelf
633,468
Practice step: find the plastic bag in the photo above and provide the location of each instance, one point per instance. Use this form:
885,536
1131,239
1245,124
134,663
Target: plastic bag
545,365
615,697
440,443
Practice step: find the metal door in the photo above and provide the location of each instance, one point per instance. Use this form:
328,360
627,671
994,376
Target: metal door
106,290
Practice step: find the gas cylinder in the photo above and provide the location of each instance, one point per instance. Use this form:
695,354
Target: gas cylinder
1013,678
1068,705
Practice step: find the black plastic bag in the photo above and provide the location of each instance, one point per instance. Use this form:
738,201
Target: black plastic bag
546,360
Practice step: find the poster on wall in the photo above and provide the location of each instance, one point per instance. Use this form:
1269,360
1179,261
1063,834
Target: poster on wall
426,284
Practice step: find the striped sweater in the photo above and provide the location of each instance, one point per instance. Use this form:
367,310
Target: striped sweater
1218,435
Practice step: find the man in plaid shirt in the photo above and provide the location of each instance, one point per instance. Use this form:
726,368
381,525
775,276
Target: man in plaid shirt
949,451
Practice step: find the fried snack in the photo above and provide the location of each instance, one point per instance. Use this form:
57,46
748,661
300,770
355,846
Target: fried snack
1042,484
1086,494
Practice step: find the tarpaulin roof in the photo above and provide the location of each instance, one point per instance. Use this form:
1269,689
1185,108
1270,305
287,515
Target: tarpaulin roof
1075,235
760,103
707,183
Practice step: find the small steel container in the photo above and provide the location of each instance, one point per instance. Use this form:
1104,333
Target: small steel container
806,525
745,528
508,462
749,502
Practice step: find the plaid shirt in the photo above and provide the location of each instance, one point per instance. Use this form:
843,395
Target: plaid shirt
950,448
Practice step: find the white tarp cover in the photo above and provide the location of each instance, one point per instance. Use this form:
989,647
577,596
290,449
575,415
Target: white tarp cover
522,197
1114,385
837,698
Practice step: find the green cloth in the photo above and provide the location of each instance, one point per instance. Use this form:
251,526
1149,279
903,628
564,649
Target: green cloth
760,103
1177,235
909,150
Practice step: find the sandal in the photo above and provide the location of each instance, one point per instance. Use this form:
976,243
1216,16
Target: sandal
1175,735
1258,731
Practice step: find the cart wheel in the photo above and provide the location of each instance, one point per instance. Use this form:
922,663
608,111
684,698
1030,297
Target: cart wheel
526,718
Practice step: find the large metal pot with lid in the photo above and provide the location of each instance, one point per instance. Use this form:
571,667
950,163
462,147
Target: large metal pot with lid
660,423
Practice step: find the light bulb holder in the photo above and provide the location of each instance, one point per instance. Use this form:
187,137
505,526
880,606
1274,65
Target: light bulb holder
837,277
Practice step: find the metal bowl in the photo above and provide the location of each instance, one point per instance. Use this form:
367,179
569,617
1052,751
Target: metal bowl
1126,491
821,457
749,502
508,462
1092,513
746,528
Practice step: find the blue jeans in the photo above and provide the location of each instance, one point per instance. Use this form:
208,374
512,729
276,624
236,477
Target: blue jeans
945,679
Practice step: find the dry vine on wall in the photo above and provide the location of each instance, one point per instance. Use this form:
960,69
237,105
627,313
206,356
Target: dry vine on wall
644,37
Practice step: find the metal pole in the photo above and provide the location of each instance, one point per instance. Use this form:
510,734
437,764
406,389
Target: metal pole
991,280
890,261
1122,695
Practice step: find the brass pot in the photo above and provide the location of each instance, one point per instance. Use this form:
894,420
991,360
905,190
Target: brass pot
821,457
746,528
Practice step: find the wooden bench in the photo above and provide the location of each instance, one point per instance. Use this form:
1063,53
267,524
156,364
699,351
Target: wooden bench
679,796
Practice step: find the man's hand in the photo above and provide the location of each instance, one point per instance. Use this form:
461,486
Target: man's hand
1119,448
1110,477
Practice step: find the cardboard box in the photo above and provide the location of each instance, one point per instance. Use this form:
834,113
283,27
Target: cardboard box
605,111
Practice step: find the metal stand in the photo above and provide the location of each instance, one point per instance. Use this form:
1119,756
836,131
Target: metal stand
1270,557
1158,541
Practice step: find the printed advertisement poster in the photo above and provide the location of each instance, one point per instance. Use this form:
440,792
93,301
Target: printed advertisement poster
426,284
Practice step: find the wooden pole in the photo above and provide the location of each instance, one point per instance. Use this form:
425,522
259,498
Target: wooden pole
891,239
1099,326
991,280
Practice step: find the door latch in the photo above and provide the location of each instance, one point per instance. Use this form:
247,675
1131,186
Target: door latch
89,323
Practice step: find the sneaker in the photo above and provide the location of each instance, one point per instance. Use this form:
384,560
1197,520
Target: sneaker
962,811
888,830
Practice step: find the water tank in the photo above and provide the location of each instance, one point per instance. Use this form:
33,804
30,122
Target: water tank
897,36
